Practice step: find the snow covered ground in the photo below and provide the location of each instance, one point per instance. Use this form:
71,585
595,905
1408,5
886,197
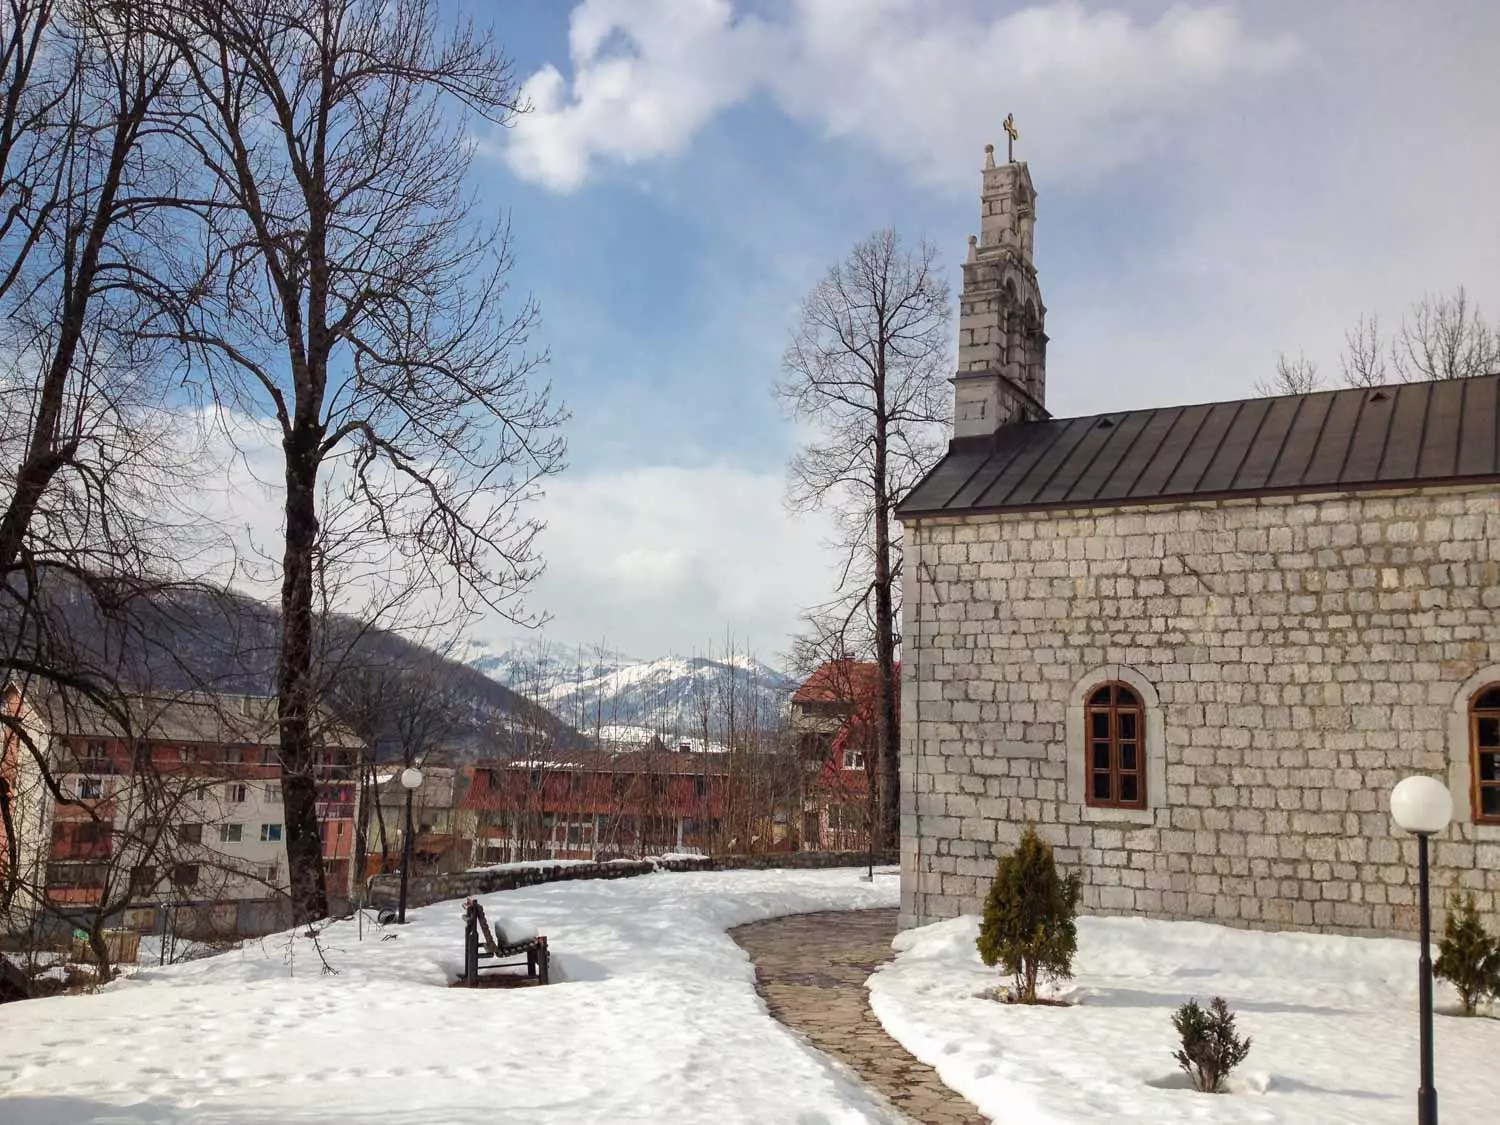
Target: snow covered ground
654,1019
1333,1019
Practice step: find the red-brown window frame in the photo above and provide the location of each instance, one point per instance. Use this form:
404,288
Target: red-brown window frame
1122,700
1477,785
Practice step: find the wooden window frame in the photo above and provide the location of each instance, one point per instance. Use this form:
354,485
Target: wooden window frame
1477,785
1113,710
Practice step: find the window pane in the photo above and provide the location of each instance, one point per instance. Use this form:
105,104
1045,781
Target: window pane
1127,756
1101,755
1489,731
1099,723
1101,696
1101,787
1130,790
1488,699
1489,801
1125,697
1127,723
1489,767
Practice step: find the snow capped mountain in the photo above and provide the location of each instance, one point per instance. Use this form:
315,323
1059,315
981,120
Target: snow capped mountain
623,699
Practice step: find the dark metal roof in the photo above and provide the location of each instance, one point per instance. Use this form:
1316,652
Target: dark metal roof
1358,438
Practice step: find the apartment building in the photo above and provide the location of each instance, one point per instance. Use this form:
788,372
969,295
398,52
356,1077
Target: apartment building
163,804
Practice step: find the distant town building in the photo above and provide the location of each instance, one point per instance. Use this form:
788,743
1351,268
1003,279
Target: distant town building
832,718
436,846
173,803
584,804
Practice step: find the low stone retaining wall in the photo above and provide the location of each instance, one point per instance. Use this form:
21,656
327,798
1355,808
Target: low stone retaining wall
385,890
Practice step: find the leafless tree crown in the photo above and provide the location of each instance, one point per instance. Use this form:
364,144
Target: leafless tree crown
1440,337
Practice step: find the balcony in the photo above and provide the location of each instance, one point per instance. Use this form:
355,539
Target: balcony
335,810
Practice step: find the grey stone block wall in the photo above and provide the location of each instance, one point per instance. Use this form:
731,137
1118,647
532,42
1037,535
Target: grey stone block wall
1297,658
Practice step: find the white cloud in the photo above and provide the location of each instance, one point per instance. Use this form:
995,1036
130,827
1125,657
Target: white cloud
919,82
660,559
653,559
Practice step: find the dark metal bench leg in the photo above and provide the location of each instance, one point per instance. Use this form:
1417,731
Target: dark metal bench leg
531,962
471,952
545,959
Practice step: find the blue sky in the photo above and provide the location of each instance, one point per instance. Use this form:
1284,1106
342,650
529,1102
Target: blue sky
1217,183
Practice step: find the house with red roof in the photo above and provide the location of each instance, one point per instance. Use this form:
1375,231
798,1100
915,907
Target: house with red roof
833,720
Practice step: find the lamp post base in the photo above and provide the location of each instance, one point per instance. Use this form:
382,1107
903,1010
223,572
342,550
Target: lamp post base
1427,1107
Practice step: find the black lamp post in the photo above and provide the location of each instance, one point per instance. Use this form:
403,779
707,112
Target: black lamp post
1423,807
411,781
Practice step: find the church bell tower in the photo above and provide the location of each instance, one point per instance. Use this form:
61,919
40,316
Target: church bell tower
1002,342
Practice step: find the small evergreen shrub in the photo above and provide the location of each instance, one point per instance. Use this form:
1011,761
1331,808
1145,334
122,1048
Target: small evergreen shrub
1468,957
1210,1048
1028,924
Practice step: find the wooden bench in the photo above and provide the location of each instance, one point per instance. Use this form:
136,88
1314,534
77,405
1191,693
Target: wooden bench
538,960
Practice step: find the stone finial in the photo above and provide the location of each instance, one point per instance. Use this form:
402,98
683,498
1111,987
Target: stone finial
989,156
973,247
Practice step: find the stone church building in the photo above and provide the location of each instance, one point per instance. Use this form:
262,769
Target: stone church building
1196,645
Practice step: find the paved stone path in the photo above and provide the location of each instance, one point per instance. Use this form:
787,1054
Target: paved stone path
811,971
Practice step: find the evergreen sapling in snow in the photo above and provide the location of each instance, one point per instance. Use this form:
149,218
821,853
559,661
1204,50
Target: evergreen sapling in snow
1468,957
1028,924
1210,1048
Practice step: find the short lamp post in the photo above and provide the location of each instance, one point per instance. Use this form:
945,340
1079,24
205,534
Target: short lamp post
1423,806
411,781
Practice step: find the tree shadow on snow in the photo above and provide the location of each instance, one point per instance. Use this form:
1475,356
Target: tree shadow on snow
64,1109
1139,998
41,1109
1274,1083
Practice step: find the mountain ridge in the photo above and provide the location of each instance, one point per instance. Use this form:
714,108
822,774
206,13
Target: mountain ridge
621,698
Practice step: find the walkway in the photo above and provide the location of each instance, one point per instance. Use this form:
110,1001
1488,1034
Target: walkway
811,970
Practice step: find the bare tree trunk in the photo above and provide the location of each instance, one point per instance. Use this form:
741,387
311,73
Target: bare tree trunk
304,844
887,727
100,948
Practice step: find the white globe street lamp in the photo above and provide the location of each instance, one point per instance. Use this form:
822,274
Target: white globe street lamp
1423,806
411,781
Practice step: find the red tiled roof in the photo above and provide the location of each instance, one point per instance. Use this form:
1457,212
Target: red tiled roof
839,681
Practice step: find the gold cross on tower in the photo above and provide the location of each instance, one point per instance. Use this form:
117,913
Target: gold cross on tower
1010,137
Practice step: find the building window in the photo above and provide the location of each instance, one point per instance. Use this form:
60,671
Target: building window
185,875
234,794
90,788
190,833
273,793
142,879
231,833
854,760
270,833
77,874
1484,746
1116,767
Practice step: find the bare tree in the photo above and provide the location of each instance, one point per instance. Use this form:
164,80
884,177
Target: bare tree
359,305
867,368
1444,337
89,205
1364,354
1293,377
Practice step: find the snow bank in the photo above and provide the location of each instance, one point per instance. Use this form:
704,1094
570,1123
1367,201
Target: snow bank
1333,1020
654,1019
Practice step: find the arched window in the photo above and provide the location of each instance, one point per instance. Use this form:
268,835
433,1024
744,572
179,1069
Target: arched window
1116,756
1484,748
